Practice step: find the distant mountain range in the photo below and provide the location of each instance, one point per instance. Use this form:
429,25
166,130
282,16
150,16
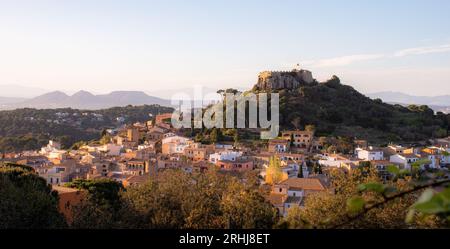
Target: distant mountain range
90,101
83,100
397,97
437,103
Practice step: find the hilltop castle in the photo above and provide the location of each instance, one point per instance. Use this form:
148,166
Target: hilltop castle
273,80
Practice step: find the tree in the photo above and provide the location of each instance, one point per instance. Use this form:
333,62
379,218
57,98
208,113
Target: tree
245,208
102,190
300,172
236,137
105,139
311,128
209,200
214,136
274,173
100,208
26,201
317,168
341,208
199,137
296,122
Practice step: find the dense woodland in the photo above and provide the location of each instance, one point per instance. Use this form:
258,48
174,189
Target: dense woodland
29,129
339,110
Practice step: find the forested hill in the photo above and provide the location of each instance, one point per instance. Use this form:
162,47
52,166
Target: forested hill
337,109
29,129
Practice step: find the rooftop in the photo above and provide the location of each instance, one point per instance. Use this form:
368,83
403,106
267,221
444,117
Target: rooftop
304,184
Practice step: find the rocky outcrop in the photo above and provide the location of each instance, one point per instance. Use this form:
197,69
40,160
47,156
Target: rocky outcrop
273,80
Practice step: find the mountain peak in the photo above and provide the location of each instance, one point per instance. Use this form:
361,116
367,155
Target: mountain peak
82,93
127,93
86,100
55,93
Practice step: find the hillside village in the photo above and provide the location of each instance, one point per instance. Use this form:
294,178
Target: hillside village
137,152
289,168
224,124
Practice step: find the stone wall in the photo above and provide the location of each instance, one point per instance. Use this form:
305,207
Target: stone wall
272,80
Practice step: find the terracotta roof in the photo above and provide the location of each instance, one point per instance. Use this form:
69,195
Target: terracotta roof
138,179
408,155
304,184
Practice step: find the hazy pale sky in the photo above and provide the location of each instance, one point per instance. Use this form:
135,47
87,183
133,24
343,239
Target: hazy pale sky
105,45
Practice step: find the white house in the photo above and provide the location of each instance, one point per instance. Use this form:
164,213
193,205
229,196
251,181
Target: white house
110,149
227,155
335,161
434,159
292,168
51,147
370,154
404,159
175,144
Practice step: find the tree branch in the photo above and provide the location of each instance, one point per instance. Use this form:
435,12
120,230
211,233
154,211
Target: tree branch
388,199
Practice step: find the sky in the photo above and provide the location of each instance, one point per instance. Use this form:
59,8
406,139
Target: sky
107,45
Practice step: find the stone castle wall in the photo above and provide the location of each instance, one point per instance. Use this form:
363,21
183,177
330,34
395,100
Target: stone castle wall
272,80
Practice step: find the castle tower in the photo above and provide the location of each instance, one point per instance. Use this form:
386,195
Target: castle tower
271,80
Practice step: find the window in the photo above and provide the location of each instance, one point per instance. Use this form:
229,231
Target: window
280,190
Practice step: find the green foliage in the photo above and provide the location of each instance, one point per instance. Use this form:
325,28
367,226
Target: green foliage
300,172
101,206
432,203
78,145
360,200
26,201
393,169
243,208
310,128
355,205
339,110
274,173
175,199
7,165
105,139
419,163
431,208
372,186
317,168
214,136
101,190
